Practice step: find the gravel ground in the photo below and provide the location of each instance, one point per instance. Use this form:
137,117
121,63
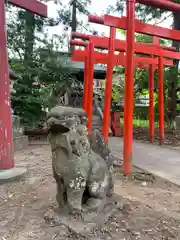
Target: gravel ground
149,207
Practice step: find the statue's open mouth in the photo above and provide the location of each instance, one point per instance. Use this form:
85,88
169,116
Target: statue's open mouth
57,126
59,129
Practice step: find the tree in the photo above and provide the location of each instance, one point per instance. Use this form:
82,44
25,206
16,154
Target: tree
21,25
27,60
35,58
69,14
40,85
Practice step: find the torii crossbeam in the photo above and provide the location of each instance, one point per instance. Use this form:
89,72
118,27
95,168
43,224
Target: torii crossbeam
6,142
31,5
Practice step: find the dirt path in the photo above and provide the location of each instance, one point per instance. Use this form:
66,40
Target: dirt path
22,204
148,211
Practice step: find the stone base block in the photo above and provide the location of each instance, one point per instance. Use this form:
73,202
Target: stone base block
20,143
11,174
86,225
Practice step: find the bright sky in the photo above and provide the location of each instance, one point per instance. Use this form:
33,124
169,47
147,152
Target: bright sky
97,7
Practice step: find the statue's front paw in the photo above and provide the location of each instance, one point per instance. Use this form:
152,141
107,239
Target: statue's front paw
94,204
74,198
110,192
77,214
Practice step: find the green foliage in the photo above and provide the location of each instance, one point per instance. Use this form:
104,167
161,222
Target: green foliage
35,60
27,100
51,79
43,76
116,93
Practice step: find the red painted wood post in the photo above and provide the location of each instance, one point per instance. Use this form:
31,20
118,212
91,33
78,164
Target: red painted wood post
6,142
90,85
151,103
108,87
161,100
129,88
151,95
162,4
85,94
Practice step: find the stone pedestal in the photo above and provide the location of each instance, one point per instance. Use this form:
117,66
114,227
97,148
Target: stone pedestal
12,173
178,122
20,141
86,225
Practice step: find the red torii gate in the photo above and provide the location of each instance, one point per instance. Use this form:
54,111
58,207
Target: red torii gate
141,62
147,49
131,24
140,27
119,59
6,142
143,28
143,48
151,30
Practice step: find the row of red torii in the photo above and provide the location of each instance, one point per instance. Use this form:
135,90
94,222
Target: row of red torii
155,57
90,57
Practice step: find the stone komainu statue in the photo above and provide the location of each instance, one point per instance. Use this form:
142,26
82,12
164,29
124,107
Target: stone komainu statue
82,172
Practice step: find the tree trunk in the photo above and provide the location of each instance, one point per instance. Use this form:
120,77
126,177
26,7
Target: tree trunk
74,20
74,17
29,36
172,82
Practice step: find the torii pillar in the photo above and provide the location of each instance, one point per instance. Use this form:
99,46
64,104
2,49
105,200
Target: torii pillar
7,168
